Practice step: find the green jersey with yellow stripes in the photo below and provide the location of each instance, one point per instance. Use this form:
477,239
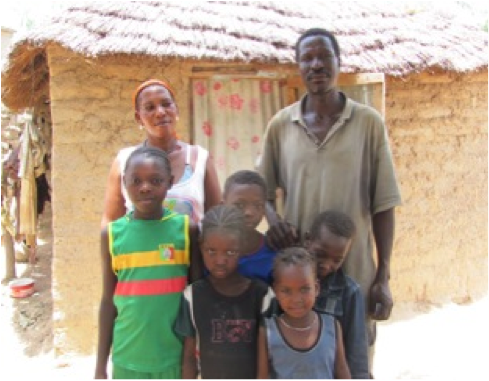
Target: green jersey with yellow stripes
150,259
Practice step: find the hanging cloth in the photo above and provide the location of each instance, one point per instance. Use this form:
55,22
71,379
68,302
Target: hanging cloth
28,190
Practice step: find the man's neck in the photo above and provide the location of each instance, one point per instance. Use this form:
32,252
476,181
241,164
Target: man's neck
328,104
320,112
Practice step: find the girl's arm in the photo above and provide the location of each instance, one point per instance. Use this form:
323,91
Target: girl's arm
341,369
212,189
114,206
263,371
196,270
189,363
107,312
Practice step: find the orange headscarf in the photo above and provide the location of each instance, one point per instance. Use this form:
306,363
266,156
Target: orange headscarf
148,83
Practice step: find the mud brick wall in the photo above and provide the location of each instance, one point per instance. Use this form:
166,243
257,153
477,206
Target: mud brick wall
438,131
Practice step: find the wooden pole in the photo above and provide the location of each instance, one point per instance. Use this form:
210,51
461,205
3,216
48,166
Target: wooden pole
8,244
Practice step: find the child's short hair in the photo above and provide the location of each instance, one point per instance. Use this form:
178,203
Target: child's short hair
152,152
223,217
245,177
297,256
337,222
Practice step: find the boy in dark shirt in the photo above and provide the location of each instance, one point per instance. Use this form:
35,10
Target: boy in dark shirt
329,240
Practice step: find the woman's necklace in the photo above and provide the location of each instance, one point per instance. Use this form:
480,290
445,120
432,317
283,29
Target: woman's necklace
174,148
300,329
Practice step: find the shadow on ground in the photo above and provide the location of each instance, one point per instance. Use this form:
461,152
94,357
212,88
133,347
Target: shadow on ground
32,317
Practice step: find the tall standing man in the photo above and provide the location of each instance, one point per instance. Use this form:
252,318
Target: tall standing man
326,152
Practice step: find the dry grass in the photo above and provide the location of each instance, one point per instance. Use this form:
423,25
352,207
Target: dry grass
374,36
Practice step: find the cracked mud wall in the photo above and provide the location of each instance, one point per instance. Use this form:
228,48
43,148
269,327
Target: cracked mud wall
438,131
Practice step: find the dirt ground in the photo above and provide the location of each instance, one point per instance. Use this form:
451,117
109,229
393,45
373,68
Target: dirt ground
421,341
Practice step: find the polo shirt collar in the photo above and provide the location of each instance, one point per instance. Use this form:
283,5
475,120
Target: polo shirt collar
296,111
297,119
335,281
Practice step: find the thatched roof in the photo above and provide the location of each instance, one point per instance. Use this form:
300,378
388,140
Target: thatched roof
374,37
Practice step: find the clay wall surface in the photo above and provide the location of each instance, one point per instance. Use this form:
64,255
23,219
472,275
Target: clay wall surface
438,132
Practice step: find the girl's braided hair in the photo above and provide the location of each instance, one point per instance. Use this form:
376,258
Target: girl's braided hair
223,217
296,256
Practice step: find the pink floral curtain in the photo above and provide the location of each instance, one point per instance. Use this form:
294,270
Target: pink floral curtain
229,118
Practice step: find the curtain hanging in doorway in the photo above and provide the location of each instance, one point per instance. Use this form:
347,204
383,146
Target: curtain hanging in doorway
229,118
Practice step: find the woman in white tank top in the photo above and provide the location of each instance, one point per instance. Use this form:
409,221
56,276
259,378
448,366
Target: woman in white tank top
195,183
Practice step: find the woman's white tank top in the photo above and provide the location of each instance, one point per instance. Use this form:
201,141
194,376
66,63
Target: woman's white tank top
186,197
